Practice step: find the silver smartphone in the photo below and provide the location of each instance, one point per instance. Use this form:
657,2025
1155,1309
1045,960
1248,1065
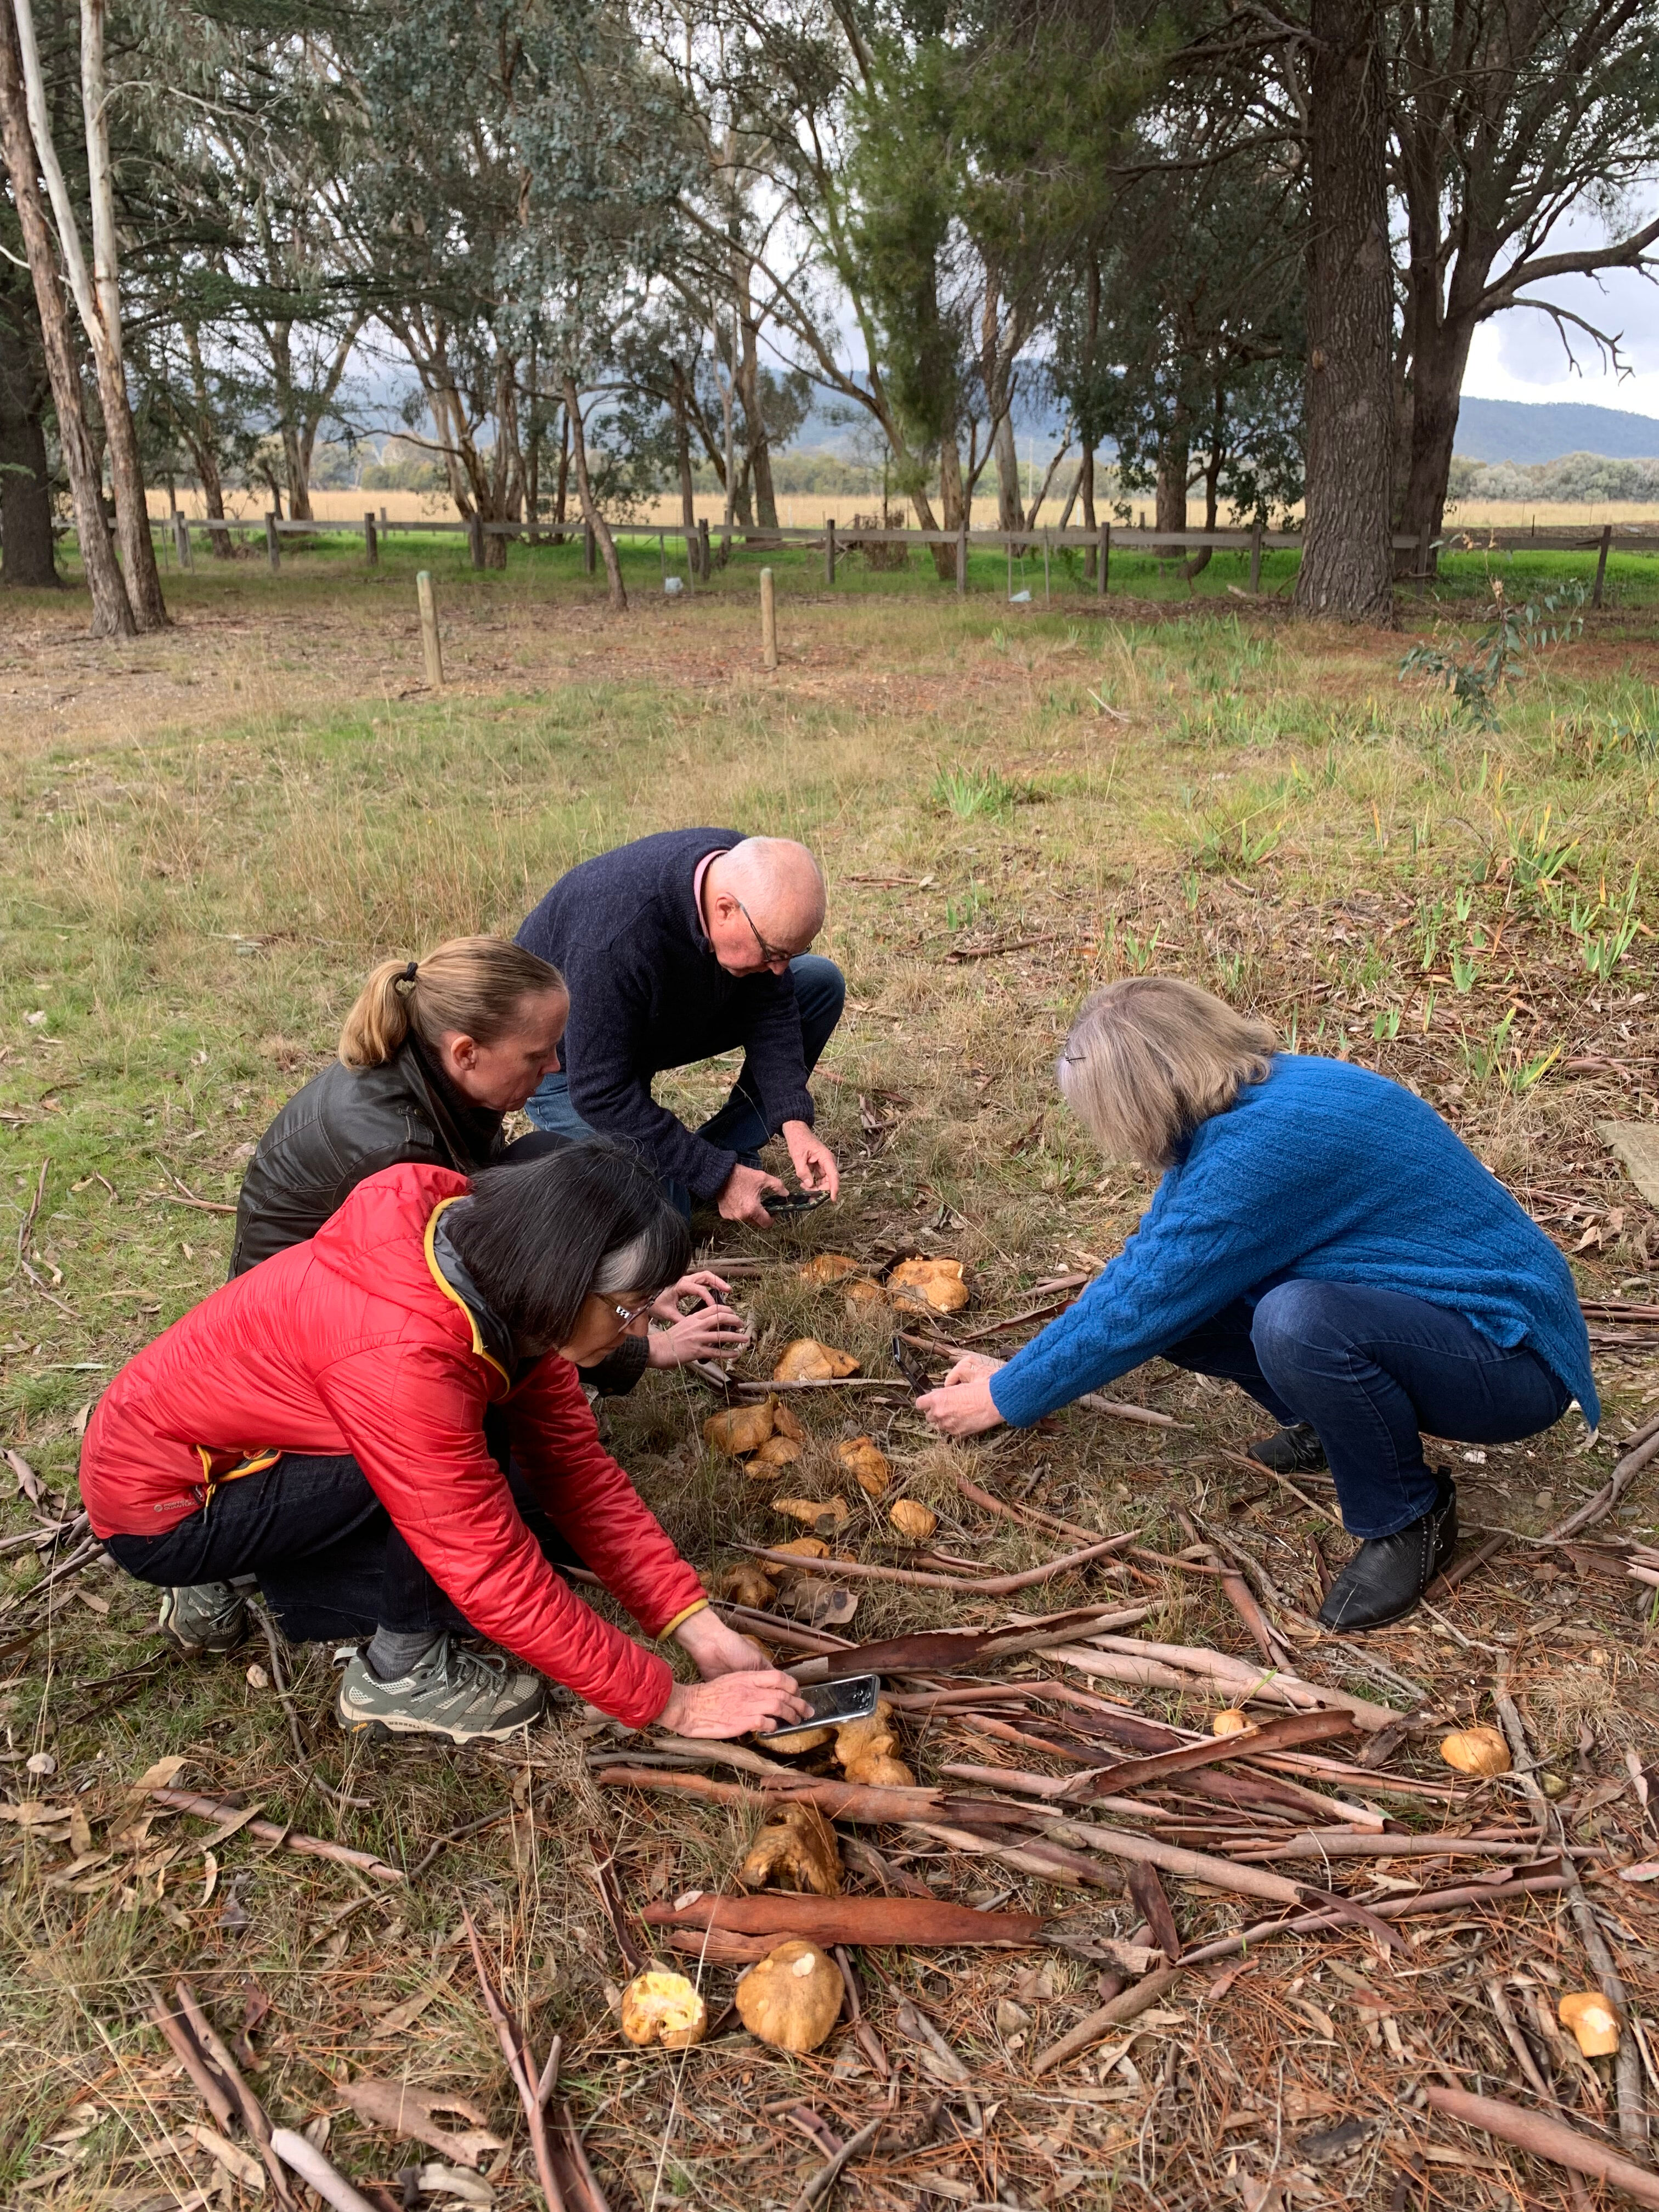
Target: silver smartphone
832,1703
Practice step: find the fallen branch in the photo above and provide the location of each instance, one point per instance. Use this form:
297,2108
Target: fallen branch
1100,2023
836,1801
1121,1412
212,2091
1273,1735
862,1920
254,2113
271,1831
934,1651
819,2184
1233,1674
531,2086
1551,2140
312,2168
992,1586
1627,2065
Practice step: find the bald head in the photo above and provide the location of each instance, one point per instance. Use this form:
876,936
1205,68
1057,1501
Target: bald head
763,900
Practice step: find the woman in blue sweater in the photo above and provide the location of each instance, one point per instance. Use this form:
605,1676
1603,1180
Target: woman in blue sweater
1320,1237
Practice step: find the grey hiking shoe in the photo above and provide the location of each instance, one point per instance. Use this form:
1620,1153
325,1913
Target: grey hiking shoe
204,1619
465,1695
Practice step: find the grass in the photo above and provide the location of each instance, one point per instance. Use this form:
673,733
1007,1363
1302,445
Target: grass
208,837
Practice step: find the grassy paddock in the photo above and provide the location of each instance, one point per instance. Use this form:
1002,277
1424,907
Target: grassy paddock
211,834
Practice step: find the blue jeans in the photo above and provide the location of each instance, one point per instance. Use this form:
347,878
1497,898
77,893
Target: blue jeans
1368,1369
739,1126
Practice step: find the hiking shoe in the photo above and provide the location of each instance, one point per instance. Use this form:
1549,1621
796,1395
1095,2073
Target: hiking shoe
1294,1450
465,1695
1387,1576
204,1619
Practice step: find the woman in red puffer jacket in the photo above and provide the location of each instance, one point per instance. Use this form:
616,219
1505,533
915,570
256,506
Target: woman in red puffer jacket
317,1425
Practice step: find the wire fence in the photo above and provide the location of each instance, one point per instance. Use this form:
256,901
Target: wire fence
704,547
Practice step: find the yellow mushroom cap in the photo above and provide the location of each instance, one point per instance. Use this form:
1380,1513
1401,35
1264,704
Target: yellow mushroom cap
1592,2020
1480,1750
1231,1722
659,2006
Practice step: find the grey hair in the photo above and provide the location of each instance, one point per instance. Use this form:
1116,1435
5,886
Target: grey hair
635,1266
1150,1057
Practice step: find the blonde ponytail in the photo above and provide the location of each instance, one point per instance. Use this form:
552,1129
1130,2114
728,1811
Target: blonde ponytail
473,986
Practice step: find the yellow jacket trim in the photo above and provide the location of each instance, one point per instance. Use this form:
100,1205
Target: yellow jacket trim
453,1294
685,1613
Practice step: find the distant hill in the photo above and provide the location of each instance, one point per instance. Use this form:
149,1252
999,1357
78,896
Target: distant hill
1515,430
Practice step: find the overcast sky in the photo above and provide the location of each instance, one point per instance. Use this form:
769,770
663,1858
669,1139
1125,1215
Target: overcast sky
1519,356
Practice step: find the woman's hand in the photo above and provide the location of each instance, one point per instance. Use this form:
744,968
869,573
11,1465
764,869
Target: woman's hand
711,1333
963,1405
734,1704
702,1283
741,1690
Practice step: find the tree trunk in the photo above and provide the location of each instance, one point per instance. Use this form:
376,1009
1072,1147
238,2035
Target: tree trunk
595,520
25,551
758,454
204,450
112,610
1436,382
101,312
562,489
682,452
1175,455
1347,568
1011,505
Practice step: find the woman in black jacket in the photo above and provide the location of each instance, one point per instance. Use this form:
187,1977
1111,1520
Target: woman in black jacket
433,1056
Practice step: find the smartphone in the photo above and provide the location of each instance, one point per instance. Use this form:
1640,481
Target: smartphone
854,1699
794,1201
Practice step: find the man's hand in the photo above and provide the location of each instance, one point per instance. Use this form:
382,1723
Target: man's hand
814,1162
741,1690
743,1195
963,1405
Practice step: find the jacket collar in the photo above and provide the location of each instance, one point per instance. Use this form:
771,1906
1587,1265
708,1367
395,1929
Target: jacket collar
468,1133
492,1340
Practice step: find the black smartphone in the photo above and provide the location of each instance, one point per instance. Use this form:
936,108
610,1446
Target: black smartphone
832,1703
793,1201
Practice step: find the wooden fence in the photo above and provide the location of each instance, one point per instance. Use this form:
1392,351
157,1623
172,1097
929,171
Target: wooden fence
836,542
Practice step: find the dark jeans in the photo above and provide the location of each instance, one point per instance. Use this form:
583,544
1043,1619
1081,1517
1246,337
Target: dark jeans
1368,1369
322,1547
739,1126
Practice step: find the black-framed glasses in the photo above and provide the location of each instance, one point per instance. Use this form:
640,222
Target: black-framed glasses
773,955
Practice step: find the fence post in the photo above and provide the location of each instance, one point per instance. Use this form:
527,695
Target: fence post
1602,563
961,559
273,546
769,620
474,537
1424,539
1105,557
691,561
1046,593
1255,559
181,538
829,551
704,549
590,549
431,647
371,540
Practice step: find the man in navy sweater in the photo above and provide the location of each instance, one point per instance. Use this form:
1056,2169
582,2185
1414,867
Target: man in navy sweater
675,948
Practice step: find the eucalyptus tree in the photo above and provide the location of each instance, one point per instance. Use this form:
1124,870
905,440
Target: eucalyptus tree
1180,338
112,609
509,194
1523,149
26,546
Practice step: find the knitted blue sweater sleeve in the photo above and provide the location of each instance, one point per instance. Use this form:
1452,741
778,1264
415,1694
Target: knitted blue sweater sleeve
1216,1226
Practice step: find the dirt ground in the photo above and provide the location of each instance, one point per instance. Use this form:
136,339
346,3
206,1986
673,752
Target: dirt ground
211,833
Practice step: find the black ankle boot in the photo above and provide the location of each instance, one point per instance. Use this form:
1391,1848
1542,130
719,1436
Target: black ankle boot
1388,1574
1293,1450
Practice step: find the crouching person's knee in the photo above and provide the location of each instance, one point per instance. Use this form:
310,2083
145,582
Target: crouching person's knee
1293,1325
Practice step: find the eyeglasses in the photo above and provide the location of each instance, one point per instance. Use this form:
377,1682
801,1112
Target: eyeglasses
626,1315
771,954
